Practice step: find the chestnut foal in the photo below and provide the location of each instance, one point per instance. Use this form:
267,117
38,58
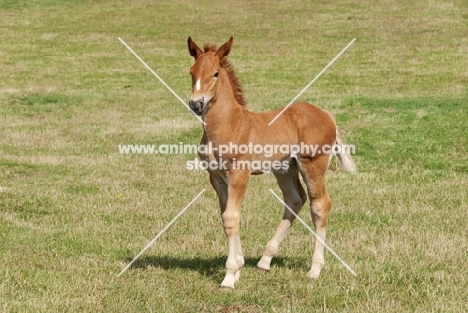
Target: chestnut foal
217,97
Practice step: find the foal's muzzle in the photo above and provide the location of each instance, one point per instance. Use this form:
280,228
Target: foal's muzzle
197,106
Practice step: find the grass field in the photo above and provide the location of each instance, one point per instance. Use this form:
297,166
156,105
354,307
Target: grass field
74,211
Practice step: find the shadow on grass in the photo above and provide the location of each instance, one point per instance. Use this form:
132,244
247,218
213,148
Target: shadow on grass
212,267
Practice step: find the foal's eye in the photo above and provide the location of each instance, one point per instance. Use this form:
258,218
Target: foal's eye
216,75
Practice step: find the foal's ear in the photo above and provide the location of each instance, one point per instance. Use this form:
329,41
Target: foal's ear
224,50
193,48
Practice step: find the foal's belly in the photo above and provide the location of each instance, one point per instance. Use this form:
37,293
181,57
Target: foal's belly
256,164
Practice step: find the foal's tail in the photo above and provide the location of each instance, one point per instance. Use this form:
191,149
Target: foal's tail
343,152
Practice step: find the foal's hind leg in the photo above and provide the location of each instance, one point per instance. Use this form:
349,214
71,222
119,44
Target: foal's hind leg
295,197
313,172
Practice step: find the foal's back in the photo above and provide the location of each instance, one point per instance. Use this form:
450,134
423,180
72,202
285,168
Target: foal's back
302,122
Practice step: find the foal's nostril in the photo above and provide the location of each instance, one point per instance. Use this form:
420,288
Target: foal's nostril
197,106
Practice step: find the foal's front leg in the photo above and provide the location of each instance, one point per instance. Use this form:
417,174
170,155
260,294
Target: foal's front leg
237,183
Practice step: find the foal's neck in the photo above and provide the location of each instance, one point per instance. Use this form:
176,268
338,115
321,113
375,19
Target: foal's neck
225,113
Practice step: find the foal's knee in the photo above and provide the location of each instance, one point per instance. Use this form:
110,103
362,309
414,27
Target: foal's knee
320,209
230,222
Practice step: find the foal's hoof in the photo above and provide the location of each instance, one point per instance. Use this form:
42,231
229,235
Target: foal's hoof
314,273
228,282
226,286
264,263
262,270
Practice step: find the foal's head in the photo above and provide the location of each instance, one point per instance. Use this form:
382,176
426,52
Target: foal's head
205,73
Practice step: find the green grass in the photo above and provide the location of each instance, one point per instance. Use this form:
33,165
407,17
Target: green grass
73,211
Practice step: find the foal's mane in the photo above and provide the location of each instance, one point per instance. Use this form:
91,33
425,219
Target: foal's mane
233,80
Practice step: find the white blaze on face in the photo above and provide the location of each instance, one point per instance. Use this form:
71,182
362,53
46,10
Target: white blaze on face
197,85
